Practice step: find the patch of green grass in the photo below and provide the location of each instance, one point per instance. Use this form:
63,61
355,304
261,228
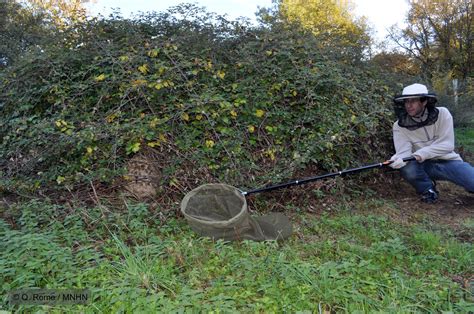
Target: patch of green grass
465,138
347,261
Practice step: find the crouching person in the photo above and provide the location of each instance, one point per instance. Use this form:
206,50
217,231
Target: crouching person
426,132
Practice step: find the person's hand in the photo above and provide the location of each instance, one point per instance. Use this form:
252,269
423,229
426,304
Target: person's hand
397,163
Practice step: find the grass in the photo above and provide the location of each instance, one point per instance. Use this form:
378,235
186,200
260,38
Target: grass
465,138
344,262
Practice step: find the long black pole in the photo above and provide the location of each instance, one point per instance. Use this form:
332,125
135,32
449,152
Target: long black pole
324,176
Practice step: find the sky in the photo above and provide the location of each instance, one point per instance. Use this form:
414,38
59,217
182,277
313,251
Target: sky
381,14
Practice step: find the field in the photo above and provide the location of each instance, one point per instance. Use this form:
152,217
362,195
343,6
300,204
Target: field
380,250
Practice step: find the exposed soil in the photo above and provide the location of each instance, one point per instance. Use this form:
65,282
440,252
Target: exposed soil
452,198
453,209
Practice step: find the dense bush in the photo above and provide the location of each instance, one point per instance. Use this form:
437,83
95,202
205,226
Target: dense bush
216,99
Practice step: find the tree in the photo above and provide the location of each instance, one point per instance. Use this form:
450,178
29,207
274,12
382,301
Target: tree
20,30
35,24
62,13
330,20
396,62
439,34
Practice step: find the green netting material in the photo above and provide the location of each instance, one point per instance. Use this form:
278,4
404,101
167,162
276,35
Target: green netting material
220,211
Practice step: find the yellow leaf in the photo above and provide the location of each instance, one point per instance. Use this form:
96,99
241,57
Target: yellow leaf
136,83
199,117
161,139
259,113
251,128
213,167
100,77
209,143
123,58
168,83
295,93
142,115
135,147
89,150
185,117
110,118
271,154
153,144
61,124
143,68
269,128
208,66
268,52
153,53
154,122
220,74
60,179
162,70
233,113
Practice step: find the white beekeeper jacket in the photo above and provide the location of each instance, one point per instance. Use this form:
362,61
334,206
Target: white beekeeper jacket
435,141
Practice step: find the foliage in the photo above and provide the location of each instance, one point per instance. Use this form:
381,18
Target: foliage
439,35
61,13
332,21
21,31
397,62
465,138
212,97
348,261
35,24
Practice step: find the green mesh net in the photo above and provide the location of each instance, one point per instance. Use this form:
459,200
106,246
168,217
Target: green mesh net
219,211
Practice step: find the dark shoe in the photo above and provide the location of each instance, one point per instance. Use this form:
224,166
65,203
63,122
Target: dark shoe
430,196
434,186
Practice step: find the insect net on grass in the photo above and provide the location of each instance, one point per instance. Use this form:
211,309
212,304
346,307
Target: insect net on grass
220,211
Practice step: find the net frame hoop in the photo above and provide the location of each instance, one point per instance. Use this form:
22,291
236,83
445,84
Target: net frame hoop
243,214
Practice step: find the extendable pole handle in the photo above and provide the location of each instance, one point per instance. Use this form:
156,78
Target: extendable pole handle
388,162
329,175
